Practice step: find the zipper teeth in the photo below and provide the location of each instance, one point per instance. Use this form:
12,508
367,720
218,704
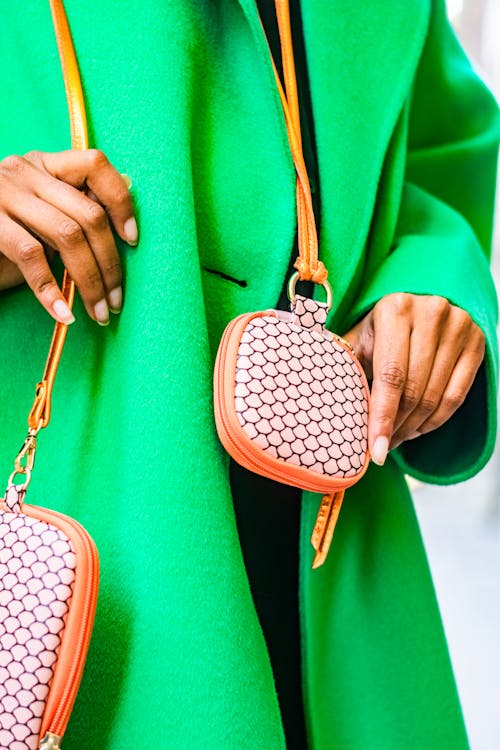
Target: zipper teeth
236,443
59,720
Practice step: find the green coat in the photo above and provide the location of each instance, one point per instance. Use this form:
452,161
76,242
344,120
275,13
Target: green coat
181,96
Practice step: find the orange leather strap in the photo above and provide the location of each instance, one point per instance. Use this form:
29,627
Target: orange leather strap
39,415
309,267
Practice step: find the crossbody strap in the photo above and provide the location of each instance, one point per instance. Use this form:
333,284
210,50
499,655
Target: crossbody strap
308,265
39,415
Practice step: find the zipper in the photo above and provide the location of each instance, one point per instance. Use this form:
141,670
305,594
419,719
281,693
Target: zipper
65,685
240,449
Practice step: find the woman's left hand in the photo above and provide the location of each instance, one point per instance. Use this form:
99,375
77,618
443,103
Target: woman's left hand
422,355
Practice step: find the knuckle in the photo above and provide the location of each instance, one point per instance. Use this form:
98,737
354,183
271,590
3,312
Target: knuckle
384,422
428,405
95,215
410,397
122,197
69,233
437,307
452,400
113,269
400,303
42,286
29,250
393,375
93,282
463,324
33,155
96,158
13,164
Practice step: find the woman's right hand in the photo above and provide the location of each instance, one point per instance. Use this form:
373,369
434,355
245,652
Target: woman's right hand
65,202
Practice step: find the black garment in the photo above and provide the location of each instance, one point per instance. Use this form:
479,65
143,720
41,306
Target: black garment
268,513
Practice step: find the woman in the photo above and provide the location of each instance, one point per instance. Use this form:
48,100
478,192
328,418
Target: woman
182,97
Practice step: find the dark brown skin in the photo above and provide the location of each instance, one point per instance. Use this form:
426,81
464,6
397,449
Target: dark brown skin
421,353
43,209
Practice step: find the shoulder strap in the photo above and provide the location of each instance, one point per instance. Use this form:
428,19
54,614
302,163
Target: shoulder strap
309,267
39,415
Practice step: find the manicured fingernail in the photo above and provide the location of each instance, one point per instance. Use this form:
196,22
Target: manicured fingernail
62,312
115,300
127,180
101,312
379,450
131,232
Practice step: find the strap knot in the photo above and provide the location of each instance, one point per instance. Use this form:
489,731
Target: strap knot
318,275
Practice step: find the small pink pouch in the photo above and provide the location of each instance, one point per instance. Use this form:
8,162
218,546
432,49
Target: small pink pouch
49,576
291,399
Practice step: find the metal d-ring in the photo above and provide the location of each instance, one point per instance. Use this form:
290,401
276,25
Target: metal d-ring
293,283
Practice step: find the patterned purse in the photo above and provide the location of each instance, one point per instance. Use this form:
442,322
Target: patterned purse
290,398
49,568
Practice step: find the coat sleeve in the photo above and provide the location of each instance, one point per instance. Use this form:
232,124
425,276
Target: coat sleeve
443,238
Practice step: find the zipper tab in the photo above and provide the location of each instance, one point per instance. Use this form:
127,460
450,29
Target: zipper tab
50,742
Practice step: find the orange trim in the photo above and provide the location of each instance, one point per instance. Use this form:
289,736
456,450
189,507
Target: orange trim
80,619
235,440
307,264
324,527
39,415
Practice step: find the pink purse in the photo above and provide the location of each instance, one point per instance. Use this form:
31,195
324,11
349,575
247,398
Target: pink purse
290,398
49,567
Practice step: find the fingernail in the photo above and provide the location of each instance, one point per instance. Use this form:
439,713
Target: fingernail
101,312
131,232
62,312
379,450
414,435
115,300
127,180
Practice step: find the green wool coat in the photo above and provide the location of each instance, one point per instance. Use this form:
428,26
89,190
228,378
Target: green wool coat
181,96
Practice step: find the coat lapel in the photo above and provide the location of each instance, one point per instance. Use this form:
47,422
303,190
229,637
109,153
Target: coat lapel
361,61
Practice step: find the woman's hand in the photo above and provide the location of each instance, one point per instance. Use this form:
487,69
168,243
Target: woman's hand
43,209
422,355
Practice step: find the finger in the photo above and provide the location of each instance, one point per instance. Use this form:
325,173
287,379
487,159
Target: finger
442,369
92,169
27,253
458,385
390,367
62,232
93,219
431,317
458,335
10,275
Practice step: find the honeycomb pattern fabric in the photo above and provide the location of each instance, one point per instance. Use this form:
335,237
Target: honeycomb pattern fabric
300,394
37,570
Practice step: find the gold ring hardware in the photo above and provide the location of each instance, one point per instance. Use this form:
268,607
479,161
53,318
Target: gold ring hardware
293,283
50,742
